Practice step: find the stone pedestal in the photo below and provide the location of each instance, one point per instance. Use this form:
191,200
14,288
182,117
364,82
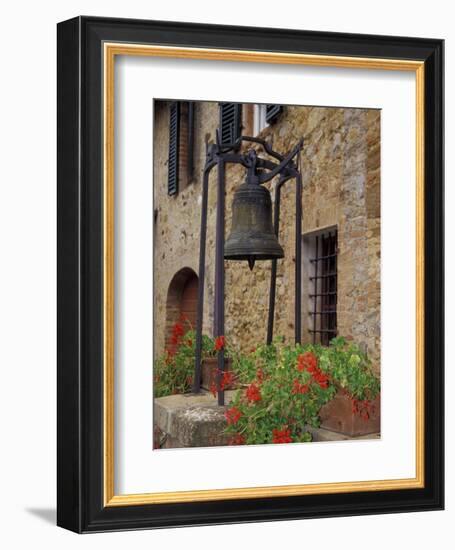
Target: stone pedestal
190,420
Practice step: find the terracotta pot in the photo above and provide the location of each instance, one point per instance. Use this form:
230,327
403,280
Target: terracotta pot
337,415
209,370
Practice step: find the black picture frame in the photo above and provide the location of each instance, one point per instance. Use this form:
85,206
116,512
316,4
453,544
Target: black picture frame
80,474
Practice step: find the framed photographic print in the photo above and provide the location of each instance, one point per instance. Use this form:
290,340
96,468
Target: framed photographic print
250,274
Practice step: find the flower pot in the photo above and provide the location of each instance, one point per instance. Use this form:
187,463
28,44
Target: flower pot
338,416
209,371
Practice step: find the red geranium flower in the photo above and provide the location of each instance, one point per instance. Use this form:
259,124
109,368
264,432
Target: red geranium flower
297,387
174,339
307,361
237,439
213,389
177,333
226,379
232,415
178,330
320,378
362,408
253,394
219,343
281,436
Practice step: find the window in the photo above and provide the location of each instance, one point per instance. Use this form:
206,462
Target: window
265,114
181,145
259,118
323,282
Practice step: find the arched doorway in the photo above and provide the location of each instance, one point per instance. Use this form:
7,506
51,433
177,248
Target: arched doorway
181,301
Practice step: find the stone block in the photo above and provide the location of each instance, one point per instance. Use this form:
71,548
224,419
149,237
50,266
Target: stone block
189,420
165,408
200,426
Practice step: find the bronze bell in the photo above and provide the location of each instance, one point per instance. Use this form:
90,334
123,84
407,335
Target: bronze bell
252,237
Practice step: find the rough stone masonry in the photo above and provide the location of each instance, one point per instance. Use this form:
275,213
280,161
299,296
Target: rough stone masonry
340,165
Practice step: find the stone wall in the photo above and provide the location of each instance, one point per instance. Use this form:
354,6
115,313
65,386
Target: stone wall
340,165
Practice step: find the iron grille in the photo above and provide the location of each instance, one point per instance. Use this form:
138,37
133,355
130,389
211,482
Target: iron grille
324,279
230,122
174,147
272,112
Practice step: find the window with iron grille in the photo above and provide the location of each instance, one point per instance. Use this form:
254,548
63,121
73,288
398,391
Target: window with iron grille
324,282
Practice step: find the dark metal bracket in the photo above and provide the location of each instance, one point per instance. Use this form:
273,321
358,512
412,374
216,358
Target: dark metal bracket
264,170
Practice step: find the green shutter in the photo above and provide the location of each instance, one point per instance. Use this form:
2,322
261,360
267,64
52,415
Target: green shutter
272,112
174,145
230,122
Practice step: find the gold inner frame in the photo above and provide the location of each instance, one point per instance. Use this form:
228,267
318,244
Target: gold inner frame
111,50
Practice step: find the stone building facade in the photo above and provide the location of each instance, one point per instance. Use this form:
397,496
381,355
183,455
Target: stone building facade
340,165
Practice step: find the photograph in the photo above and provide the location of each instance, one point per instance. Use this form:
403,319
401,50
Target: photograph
288,349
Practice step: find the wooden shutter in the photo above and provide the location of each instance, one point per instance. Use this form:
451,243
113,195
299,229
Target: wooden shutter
230,122
190,140
174,145
272,112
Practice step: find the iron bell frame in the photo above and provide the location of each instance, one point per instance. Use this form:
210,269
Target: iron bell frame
265,170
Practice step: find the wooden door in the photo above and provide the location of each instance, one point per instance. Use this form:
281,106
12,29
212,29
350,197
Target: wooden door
188,303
